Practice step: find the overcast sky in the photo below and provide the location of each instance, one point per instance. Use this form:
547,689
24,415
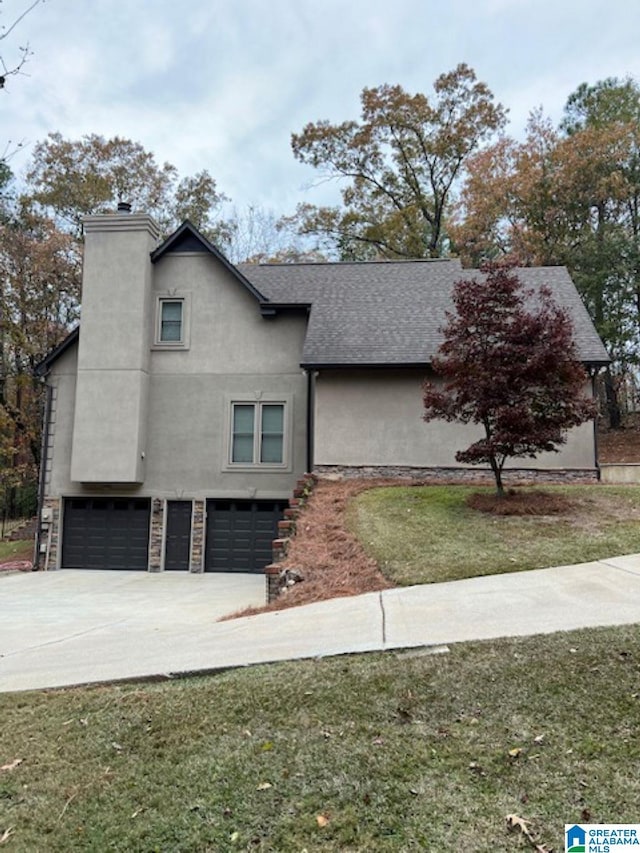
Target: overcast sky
222,84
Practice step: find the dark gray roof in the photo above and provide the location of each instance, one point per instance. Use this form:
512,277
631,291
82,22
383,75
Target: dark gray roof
390,312
370,313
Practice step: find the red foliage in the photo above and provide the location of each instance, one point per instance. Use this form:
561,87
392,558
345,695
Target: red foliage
509,364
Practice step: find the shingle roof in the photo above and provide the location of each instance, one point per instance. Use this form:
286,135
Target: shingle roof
371,313
390,312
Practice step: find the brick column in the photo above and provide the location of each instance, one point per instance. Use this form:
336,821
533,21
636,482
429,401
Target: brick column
197,537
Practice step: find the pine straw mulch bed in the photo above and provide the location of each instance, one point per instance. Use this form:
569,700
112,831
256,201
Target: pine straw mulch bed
328,556
19,560
332,561
516,502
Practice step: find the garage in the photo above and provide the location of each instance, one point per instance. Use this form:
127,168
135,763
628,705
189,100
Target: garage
240,534
106,533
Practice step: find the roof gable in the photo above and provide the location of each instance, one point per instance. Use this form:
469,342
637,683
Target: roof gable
187,239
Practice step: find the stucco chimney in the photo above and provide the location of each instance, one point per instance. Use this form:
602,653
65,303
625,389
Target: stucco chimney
109,431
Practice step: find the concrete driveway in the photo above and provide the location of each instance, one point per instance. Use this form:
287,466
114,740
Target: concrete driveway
98,621
69,627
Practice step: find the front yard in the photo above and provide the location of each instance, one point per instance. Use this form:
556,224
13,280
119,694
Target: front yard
427,534
383,752
359,536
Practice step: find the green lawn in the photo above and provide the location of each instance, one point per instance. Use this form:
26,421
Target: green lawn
18,550
392,752
428,534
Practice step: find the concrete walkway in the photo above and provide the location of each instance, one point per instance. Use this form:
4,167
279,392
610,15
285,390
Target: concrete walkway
69,627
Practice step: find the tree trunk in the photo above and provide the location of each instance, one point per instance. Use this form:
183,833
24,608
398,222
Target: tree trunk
497,473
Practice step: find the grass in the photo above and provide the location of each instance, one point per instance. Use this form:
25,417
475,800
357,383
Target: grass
428,534
391,752
19,550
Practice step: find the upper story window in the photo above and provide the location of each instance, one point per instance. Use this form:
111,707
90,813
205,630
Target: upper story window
257,434
172,322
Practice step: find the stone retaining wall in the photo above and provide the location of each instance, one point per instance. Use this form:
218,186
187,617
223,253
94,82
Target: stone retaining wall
510,476
275,577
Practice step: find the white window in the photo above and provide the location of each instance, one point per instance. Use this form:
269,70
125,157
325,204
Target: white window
171,321
257,433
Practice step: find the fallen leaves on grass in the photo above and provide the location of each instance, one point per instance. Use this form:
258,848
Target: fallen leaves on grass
67,804
515,823
621,445
16,566
6,835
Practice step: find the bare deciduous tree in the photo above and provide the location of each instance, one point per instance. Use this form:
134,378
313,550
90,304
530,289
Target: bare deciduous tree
20,54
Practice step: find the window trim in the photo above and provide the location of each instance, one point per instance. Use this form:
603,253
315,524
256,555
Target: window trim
258,402
183,343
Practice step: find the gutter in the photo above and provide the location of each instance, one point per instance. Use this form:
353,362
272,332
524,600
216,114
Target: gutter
311,400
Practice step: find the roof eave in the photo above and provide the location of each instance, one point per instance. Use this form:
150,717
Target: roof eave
595,364
357,365
42,367
270,309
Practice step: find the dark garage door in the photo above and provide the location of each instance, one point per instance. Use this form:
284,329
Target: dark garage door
105,533
178,536
240,534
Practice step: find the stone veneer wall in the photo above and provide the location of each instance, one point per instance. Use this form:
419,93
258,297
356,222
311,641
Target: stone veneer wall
52,505
156,536
510,476
197,536
158,522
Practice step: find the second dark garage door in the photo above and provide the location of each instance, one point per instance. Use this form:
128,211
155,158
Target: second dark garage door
240,534
105,533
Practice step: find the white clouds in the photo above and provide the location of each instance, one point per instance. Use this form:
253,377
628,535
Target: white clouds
156,43
222,85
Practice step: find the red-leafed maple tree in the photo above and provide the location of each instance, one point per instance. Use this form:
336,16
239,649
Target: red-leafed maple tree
509,364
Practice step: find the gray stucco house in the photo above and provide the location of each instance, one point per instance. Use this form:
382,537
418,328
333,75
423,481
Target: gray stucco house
196,393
